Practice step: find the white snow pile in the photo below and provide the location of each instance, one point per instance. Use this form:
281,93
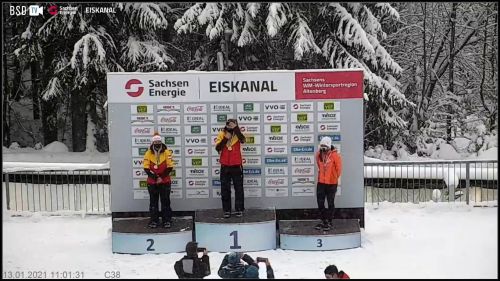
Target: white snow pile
56,147
401,240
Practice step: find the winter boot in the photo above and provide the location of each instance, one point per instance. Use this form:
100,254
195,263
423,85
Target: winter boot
227,215
153,224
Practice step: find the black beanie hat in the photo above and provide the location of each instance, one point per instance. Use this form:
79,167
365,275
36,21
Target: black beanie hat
191,248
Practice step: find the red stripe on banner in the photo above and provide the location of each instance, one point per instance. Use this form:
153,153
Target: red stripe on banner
329,85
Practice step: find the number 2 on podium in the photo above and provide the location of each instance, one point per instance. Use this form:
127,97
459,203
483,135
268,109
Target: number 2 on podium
235,240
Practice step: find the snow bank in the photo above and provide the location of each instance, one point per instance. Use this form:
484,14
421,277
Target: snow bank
55,147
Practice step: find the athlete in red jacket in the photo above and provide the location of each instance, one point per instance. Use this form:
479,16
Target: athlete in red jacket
331,272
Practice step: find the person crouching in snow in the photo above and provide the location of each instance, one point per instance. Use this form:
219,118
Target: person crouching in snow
331,272
329,169
158,164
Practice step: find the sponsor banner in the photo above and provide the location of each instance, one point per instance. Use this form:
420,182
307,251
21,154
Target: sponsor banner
276,160
303,191
275,107
214,152
176,183
333,137
177,162
303,181
168,140
197,162
217,130
216,193
197,183
275,139
195,151
195,130
176,151
216,172
275,129
329,127
139,151
277,171
328,106
169,119
139,174
276,150
248,107
277,192
254,86
302,106
250,150
195,140
169,130
141,141
252,182
252,139
137,162
216,161
252,171
220,118
141,194
328,116
248,118
302,170
275,118
302,149
195,119
249,161
216,183
140,184
141,109
274,182
329,85
196,172
197,193
142,131
195,108
168,108
302,139
252,192
302,117
302,128
250,129
142,119
174,173
303,160
337,147
221,108
176,194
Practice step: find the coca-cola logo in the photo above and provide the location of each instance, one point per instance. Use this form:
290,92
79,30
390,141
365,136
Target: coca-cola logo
198,108
171,119
303,170
142,131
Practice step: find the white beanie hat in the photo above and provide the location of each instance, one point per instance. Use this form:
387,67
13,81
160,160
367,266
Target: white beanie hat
156,137
326,141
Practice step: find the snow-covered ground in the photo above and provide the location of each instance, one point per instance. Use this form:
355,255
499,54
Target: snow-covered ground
427,240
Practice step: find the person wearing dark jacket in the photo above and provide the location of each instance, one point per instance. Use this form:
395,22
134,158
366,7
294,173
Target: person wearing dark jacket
252,272
331,272
232,265
191,266
158,164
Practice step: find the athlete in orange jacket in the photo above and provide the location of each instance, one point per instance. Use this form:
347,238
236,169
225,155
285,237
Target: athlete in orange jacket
329,170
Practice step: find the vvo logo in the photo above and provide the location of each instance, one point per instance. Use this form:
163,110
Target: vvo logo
254,182
252,161
254,129
169,119
276,150
308,160
141,141
222,108
303,181
168,108
250,150
329,127
197,183
302,149
197,172
170,130
274,107
277,171
195,108
303,171
216,130
137,162
275,118
302,191
248,118
142,131
277,160
196,151
302,128
275,139
141,119
272,182
196,140
302,139
302,106
328,116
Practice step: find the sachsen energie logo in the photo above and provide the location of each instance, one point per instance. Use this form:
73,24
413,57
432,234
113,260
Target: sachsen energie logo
133,83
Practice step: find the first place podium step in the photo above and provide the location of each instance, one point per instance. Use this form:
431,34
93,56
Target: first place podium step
132,236
255,231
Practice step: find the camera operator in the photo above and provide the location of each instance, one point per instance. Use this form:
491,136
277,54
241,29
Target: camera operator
191,265
252,272
233,266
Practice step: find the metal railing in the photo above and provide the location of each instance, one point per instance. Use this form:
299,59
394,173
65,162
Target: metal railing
88,190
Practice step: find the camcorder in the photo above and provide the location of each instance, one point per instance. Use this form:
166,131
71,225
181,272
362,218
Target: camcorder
201,249
260,259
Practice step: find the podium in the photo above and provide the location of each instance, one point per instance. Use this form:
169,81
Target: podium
301,235
133,236
255,231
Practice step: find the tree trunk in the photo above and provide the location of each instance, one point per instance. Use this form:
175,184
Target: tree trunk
451,69
78,120
49,107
